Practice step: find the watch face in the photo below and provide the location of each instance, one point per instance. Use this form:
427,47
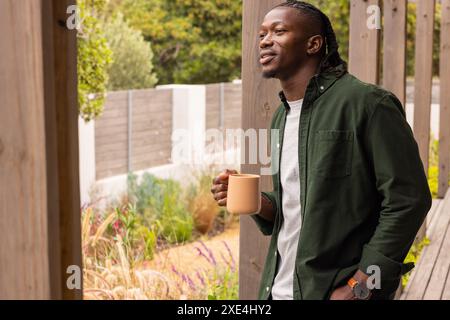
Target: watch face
361,292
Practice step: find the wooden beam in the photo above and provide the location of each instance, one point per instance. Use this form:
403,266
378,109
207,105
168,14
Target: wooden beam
259,101
51,147
364,47
444,128
394,46
62,139
24,267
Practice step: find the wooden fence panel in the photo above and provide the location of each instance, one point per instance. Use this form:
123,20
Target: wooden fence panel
111,137
151,143
212,106
232,105
151,131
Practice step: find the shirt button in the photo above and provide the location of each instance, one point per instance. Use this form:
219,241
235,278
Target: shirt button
322,88
275,254
278,145
267,289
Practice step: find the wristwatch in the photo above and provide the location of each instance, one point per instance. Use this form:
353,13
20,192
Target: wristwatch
359,289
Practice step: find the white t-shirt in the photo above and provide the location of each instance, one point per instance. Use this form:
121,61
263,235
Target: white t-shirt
290,182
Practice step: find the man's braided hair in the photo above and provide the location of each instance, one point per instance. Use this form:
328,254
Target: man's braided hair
332,57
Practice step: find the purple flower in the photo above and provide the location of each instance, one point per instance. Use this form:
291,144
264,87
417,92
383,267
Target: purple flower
200,277
200,253
174,270
190,282
231,255
211,255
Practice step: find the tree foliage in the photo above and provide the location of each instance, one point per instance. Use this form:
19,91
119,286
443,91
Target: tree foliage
194,41
132,66
339,13
94,57
199,41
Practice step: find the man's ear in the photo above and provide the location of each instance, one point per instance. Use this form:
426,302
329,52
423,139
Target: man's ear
315,45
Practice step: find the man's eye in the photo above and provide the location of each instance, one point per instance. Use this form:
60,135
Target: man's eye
279,31
262,36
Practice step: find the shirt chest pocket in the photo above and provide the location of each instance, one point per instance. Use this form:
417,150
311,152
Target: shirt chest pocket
333,156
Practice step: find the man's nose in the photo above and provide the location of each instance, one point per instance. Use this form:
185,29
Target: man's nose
266,41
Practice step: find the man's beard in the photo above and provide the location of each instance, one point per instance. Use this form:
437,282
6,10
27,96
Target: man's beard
269,74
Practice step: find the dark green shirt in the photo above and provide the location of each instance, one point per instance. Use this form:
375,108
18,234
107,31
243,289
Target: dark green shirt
364,193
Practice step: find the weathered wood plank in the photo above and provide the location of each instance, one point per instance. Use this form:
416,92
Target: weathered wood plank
441,268
432,211
111,138
364,45
444,131
104,125
117,95
431,220
417,286
149,164
115,145
154,95
432,216
111,112
446,291
162,134
394,46
150,152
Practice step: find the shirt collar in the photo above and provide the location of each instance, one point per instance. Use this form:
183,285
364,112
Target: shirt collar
320,82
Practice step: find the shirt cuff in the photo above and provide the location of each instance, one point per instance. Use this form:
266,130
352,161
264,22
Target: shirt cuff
265,226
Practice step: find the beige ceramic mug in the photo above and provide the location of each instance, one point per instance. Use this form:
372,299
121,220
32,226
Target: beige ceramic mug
244,194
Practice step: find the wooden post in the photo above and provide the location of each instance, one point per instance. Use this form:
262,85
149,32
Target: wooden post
423,83
60,78
259,101
394,54
364,43
423,76
40,216
444,128
24,265
394,47
51,149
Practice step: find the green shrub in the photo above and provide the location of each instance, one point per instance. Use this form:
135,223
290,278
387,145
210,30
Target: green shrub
145,195
413,256
94,59
433,177
132,66
433,169
160,202
175,220
225,289
149,236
